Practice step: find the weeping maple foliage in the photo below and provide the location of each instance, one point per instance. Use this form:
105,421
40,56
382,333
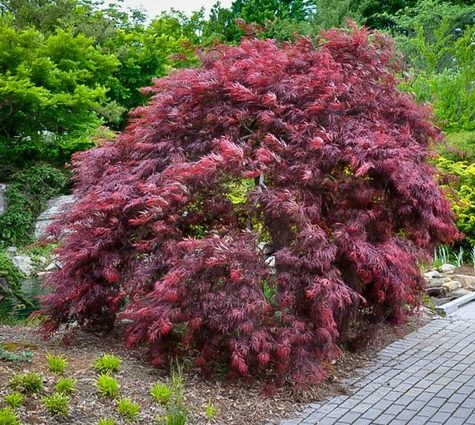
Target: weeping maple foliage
309,148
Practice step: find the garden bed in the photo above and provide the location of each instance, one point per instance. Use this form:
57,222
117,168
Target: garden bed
235,402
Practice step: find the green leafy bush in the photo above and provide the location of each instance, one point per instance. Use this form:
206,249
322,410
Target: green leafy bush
462,193
128,409
26,196
460,146
56,364
107,386
210,411
437,39
14,400
66,386
8,417
161,393
107,363
57,404
27,382
106,421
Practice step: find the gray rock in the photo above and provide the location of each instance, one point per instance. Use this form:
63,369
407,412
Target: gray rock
3,200
447,268
432,274
460,292
54,208
436,282
24,264
467,281
265,248
452,285
270,261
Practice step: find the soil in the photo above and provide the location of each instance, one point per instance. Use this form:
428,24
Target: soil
236,403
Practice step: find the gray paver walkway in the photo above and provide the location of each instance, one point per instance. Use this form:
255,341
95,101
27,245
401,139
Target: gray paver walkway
426,378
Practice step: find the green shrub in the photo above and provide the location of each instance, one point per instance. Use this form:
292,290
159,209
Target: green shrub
128,409
27,382
108,363
56,364
57,404
8,417
210,411
107,386
14,400
26,196
174,416
161,393
462,194
66,386
460,146
106,421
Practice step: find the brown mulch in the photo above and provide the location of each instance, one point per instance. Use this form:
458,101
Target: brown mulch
237,403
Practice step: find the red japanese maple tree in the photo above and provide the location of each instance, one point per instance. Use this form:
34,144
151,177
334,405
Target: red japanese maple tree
309,148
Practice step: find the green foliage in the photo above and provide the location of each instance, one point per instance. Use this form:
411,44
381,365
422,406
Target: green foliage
107,386
462,193
66,386
161,393
26,196
128,409
14,400
210,411
106,421
27,382
437,39
459,146
7,356
176,412
57,404
107,363
56,364
50,89
8,417
11,277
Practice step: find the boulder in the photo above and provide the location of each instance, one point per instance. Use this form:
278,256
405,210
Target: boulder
24,264
3,200
432,274
270,261
436,282
460,293
467,281
54,208
447,268
452,285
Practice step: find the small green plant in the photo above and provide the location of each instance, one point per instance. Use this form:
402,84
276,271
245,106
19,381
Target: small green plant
441,256
106,421
108,363
14,400
459,257
66,386
128,409
8,417
161,393
27,382
174,416
107,386
56,364
57,404
210,411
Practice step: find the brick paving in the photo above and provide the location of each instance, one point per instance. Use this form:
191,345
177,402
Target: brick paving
426,378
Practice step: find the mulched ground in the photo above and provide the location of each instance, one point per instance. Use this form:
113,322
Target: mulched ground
237,403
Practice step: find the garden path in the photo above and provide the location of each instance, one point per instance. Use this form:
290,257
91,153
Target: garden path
427,378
